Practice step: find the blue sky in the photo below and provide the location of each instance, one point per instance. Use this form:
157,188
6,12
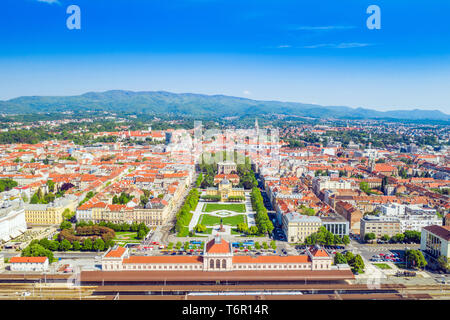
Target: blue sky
306,51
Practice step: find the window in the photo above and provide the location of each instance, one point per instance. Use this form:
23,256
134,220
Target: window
211,264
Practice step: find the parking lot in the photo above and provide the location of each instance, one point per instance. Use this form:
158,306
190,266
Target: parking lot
390,256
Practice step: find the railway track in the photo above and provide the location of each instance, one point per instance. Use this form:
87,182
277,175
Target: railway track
57,289
38,291
374,296
127,288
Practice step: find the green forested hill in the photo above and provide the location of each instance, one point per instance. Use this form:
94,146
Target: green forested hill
160,102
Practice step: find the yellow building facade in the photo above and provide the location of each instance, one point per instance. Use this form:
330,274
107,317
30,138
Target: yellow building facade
225,190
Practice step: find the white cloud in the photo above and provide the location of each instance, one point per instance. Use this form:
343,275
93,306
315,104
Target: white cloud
50,1
343,45
323,28
246,92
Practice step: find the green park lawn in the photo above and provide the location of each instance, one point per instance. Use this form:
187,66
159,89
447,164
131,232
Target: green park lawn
236,207
126,236
209,220
382,266
208,231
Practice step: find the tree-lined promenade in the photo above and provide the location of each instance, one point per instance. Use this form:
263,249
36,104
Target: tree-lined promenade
263,223
208,168
184,215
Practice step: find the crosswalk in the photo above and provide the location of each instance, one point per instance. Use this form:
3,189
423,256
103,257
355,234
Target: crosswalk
386,248
379,249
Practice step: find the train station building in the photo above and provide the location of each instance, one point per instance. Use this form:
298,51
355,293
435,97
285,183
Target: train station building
217,256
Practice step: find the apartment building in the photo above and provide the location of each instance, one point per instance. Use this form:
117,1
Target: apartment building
48,214
297,226
352,214
380,226
412,217
12,220
320,183
435,241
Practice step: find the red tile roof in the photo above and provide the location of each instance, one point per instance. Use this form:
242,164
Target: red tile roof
116,253
271,259
319,252
213,247
163,259
28,259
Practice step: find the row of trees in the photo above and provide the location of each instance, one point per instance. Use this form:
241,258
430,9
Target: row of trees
140,228
259,246
87,244
186,246
45,247
262,218
355,262
236,198
216,198
213,198
406,237
199,180
184,215
325,237
92,232
88,197
243,227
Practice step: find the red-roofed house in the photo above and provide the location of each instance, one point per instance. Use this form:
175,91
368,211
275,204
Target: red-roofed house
384,169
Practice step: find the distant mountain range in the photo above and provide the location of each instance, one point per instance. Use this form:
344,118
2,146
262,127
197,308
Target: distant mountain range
161,102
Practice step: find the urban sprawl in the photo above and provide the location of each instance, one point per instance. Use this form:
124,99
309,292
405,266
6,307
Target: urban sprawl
358,201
